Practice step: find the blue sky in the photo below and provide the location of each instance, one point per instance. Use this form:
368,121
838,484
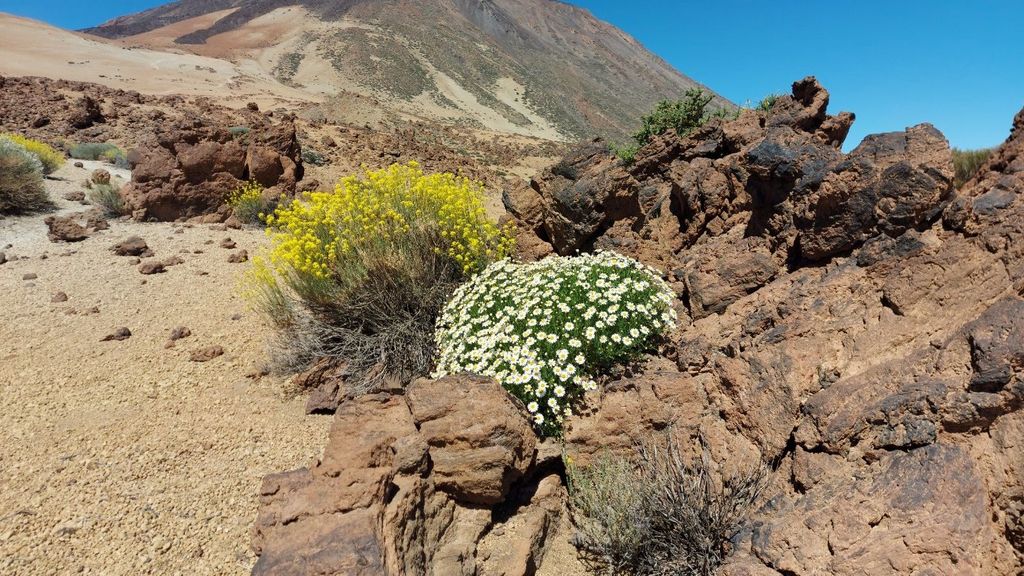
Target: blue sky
895,63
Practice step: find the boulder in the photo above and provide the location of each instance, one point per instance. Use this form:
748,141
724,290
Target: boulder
186,171
132,246
152,266
479,445
407,485
66,228
100,176
206,354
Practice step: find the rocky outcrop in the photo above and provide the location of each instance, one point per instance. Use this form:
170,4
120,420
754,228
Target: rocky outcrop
878,366
407,484
188,171
757,195
849,319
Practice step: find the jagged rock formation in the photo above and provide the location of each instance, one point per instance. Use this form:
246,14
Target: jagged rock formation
853,319
849,318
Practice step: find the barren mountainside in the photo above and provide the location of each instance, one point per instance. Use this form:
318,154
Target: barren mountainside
532,66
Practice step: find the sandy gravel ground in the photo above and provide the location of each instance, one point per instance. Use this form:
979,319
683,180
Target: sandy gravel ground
125,457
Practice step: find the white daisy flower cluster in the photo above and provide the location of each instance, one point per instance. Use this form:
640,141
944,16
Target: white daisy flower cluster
546,329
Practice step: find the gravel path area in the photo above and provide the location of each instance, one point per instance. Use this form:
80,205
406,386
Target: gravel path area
125,456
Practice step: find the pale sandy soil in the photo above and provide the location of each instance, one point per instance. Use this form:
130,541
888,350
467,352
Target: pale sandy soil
126,457
31,48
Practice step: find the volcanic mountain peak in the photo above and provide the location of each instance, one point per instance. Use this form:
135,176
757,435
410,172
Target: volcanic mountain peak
535,67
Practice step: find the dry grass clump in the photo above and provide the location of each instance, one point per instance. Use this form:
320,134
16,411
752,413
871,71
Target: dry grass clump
107,197
966,163
21,180
659,513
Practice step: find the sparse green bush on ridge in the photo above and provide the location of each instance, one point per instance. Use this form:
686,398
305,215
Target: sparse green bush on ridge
22,188
659,513
626,152
767,102
966,163
683,116
545,330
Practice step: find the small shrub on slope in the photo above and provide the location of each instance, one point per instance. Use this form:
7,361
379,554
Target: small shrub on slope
546,329
361,273
659,513
108,198
51,159
310,156
247,203
21,180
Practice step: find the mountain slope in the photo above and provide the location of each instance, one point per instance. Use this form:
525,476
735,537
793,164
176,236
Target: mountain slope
536,67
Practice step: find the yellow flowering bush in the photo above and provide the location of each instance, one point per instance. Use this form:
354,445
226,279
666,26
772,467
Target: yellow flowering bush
312,233
247,202
51,159
360,273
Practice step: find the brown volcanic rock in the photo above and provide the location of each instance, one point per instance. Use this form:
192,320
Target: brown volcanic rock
186,171
132,246
886,380
753,193
480,445
387,497
65,228
85,113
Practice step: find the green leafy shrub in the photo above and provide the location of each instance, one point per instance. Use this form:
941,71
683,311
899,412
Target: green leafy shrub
248,204
21,180
966,163
546,329
107,197
684,116
360,274
659,513
626,153
117,157
51,159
